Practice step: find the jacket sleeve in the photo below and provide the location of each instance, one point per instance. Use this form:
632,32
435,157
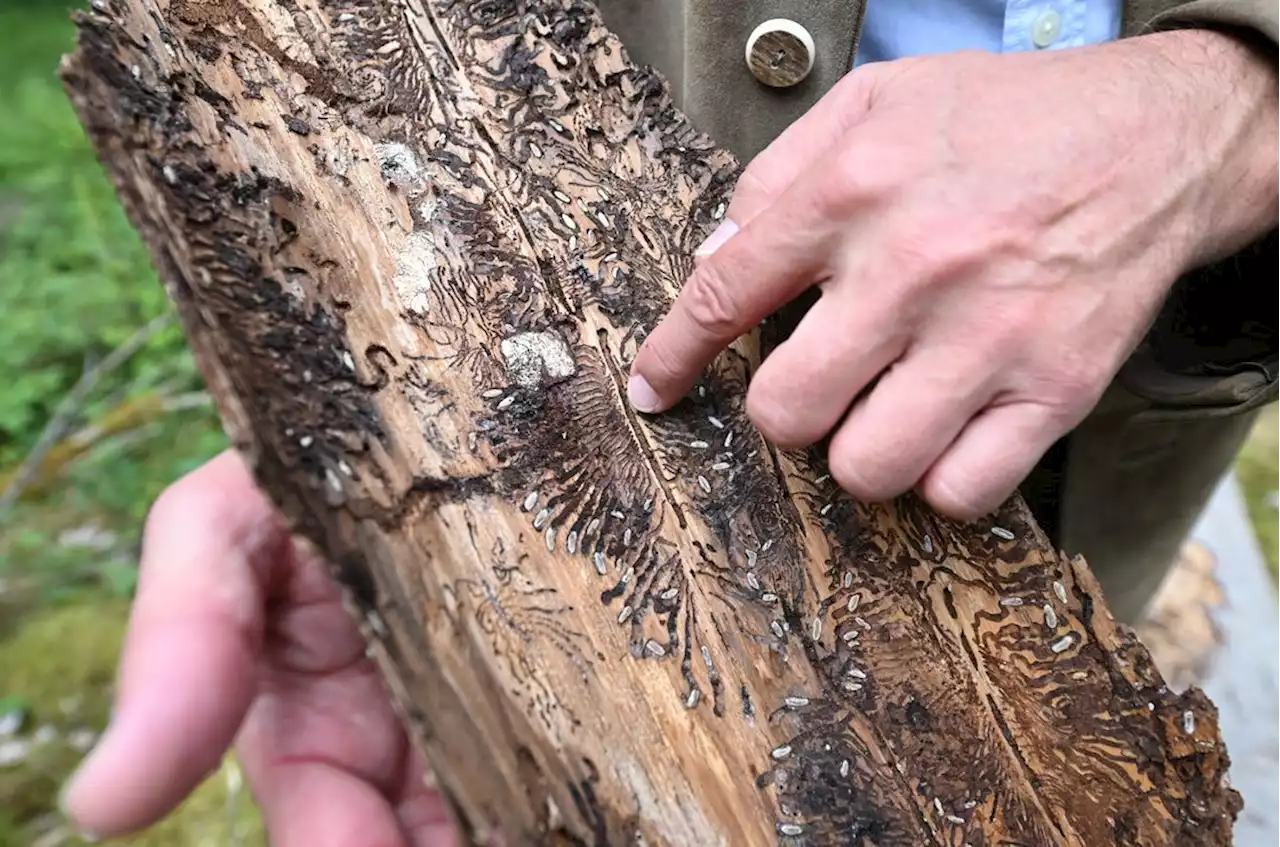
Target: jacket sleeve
1261,17
1214,349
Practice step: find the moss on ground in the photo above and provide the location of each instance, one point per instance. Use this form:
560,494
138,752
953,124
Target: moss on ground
59,664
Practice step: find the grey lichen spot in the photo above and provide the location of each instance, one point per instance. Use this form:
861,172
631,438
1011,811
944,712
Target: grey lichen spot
414,266
399,166
537,359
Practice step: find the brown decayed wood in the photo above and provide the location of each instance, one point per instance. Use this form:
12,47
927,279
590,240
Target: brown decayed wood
415,244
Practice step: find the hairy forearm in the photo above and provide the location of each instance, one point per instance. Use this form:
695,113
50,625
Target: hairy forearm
1226,111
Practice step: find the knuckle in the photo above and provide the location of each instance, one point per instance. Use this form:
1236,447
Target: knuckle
862,174
1074,382
658,362
211,495
849,184
171,505
709,302
775,419
957,499
913,258
862,478
753,190
924,255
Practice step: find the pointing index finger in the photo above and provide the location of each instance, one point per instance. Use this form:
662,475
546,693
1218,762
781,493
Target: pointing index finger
754,271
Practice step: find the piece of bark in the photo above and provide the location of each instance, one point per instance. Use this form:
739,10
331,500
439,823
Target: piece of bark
414,244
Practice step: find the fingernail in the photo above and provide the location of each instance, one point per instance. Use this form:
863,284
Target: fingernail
642,395
716,239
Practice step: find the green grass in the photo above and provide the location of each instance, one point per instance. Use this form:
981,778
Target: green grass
75,282
1257,469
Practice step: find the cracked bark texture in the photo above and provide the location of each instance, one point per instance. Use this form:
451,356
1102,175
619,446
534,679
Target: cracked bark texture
415,244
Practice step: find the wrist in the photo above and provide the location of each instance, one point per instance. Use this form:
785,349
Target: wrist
1225,119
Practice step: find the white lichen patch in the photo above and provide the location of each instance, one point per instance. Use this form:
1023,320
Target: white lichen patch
536,359
400,166
414,265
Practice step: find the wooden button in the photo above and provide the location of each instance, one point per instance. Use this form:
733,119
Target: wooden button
780,53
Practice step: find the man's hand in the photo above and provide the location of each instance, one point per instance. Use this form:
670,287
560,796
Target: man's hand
235,633
991,235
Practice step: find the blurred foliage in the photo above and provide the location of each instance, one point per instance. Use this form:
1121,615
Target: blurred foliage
76,284
1257,469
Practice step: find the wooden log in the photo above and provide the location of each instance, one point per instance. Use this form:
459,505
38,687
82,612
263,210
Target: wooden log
415,244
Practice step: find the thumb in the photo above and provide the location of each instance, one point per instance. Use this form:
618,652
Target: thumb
802,143
187,672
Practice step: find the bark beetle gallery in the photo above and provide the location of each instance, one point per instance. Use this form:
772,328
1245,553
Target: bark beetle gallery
414,244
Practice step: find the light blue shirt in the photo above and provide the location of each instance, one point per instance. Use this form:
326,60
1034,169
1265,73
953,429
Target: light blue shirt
894,29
